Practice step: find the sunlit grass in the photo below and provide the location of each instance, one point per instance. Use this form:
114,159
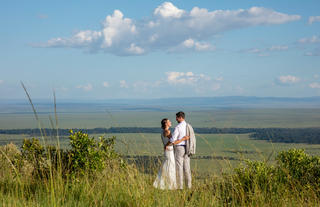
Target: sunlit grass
213,166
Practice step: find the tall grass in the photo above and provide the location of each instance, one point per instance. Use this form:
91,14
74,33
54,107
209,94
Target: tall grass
253,184
119,186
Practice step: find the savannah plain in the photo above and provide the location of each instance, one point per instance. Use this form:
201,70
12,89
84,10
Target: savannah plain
215,152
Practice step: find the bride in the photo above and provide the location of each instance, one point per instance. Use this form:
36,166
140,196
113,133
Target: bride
166,178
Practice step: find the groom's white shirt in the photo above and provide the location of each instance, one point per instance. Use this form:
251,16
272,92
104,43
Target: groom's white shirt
179,132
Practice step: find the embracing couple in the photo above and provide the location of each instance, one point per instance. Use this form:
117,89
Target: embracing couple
178,147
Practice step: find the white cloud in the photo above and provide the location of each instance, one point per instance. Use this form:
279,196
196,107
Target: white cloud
192,45
123,84
199,83
314,42
168,10
1,81
135,50
203,46
82,39
314,85
254,50
87,87
189,43
311,40
266,51
219,78
313,19
168,28
314,53
105,84
116,29
188,78
287,80
142,86
278,48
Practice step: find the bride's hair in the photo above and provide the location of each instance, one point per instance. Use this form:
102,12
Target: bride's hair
163,123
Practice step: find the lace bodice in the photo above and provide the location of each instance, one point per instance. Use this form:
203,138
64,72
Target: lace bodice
165,140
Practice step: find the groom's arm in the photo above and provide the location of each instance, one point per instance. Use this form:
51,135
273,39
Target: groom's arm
180,140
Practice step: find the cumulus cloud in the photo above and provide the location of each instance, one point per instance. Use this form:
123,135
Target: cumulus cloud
314,85
105,84
135,50
123,84
313,19
199,83
188,78
168,10
87,87
193,45
287,80
167,29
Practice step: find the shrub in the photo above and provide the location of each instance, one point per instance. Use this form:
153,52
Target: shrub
253,175
38,156
9,159
87,154
295,171
297,166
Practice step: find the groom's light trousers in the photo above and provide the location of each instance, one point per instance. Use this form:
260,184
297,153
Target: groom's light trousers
182,166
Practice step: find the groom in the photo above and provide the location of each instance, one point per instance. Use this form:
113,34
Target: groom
181,151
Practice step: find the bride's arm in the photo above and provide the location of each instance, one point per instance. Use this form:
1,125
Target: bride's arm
167,145
167,134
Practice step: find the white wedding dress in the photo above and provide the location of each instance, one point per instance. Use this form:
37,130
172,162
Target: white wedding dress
166,178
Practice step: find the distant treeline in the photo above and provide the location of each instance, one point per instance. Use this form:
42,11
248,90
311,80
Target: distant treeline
286,135
65,132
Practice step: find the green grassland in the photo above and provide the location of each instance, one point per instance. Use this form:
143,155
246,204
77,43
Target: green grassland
257,118
224,150
217,156
215,152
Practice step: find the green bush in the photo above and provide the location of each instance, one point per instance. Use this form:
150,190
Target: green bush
41,158
10,157
255,175
297,166
87,154
294,171
32,150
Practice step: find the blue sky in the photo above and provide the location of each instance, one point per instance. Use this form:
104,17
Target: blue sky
152,49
